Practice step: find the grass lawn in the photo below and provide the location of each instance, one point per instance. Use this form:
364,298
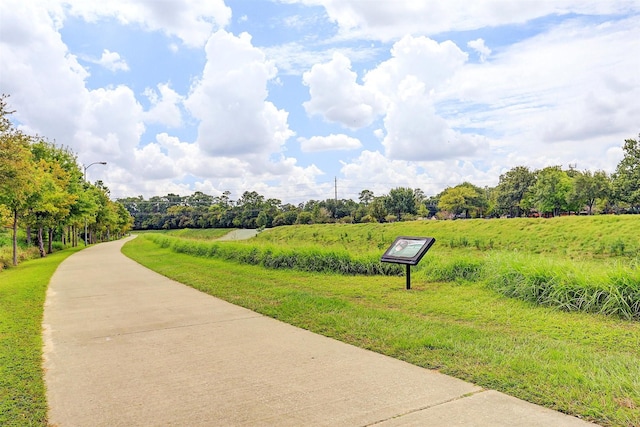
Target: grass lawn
582,364
22,295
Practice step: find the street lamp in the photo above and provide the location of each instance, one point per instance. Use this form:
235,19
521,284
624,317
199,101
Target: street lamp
85,179
89,165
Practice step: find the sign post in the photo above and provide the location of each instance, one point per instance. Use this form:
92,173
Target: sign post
408,250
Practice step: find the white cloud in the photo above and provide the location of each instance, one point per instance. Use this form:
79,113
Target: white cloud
327,143
374,171
152,164
192,21
416,132
112,61
110,125
388,20
165,108
400,88
555,94
295,58
47,87
420,58
230,100
45,81
337,96
482,49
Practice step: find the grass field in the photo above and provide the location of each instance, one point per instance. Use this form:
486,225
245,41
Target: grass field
573,263
587,365
454,319
22,295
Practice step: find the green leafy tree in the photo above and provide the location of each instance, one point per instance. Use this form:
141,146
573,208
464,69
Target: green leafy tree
552,190
512,190
464,199
626,178
304,217
365,197
249,207
19,177
52,203
378,209
124,221
19,180
401,201
589,187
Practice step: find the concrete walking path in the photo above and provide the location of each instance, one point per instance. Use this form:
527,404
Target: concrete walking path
125,346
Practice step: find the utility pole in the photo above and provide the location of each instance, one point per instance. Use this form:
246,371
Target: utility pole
335,186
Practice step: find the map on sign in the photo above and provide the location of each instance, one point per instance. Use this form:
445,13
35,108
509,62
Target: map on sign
408,250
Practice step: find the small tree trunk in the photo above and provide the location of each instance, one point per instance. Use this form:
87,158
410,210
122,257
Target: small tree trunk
15,237
28,235
41,243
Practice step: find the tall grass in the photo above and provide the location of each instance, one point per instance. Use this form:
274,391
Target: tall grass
570,286
272,256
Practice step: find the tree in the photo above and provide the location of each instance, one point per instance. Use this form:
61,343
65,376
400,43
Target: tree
588,188
465,198
18,174
551,190
377,208
270,209
454,200
365,197
18,180
626,178
304,217
51,204
512,189
401,201
249,207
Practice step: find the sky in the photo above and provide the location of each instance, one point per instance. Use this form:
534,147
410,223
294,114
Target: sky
298,99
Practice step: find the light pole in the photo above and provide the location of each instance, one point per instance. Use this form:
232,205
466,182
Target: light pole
85,179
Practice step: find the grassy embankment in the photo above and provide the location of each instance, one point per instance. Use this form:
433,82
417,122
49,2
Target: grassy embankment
22,295
577,264
583,364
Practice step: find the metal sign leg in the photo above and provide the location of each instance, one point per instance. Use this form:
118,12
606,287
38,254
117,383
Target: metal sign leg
408,276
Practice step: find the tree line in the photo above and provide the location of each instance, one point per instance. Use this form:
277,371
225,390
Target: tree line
547,192
44,192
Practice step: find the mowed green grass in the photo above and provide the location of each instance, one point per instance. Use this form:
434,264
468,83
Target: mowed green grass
582,364
22,295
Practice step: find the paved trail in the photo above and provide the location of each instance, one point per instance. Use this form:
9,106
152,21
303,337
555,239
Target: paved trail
240,234
125,346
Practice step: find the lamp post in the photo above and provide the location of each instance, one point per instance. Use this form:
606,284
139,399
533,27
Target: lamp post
85,179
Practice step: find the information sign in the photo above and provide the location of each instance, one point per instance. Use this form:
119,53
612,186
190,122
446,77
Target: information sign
408,250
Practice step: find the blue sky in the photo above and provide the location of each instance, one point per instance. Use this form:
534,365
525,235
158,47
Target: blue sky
285,97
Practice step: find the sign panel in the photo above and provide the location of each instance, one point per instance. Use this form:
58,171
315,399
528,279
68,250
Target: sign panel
408,250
